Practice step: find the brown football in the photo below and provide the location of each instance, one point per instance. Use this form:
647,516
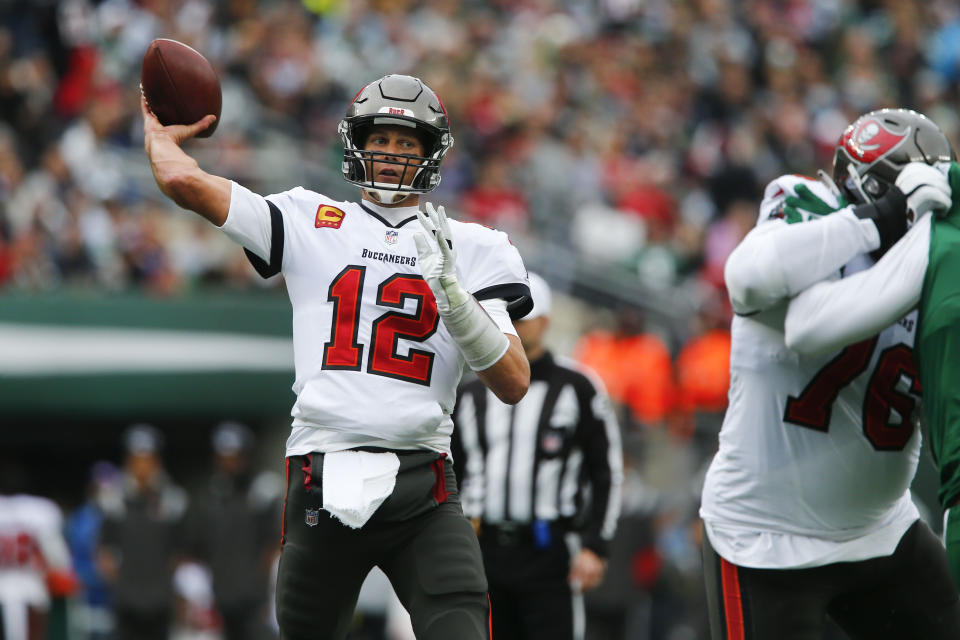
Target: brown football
179,84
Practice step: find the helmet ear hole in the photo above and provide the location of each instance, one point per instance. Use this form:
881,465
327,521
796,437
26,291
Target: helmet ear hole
874,187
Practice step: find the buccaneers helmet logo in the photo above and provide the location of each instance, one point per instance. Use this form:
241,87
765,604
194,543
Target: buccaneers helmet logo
870,140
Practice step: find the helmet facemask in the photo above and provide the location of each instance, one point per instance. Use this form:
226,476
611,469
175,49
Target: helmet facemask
862,189
403,101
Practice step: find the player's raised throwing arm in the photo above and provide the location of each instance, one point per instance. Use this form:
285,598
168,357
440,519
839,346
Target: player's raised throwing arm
178,175
497,358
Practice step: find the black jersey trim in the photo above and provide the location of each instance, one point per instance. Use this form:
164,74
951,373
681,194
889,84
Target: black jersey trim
517,295
272,268
384,220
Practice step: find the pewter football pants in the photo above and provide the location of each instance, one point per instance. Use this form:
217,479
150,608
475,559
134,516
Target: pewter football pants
432,559
908,594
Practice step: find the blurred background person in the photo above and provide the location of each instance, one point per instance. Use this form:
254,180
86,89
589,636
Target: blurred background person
541,483
234,528
635,364
142,538
35,564
93,618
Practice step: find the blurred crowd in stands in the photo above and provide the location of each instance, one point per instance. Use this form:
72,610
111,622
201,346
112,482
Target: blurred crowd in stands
634,133
634,136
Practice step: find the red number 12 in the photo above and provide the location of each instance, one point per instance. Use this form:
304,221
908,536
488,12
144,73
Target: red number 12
344,351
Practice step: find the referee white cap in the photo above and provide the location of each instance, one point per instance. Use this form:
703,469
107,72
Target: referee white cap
540,292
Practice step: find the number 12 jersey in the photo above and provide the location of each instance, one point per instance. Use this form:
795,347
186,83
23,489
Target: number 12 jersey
375,365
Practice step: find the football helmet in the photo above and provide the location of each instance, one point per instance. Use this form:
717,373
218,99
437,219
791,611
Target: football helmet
395,100
872,151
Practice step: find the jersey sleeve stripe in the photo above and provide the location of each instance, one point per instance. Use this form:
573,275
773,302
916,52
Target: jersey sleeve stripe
517,295
265,269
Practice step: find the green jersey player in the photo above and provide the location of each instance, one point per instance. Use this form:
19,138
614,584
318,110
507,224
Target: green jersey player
917,273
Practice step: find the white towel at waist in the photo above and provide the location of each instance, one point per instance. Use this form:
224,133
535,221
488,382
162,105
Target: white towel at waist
355,484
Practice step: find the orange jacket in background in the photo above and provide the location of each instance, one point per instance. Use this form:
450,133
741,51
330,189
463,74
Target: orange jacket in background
703,372
636,370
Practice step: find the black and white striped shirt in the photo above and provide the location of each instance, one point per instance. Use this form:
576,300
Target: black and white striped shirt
554,456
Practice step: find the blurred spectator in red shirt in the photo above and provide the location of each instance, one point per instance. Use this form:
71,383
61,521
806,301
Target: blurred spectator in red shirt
651,203
494,201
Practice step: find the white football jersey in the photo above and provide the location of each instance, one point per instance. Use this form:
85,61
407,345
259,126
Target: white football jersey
817,453
31,546
375,365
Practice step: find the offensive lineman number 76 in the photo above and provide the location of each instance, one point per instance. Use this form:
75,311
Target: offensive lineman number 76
813,406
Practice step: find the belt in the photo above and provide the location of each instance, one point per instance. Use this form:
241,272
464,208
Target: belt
540,533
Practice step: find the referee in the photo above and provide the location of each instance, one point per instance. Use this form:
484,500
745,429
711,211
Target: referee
540,480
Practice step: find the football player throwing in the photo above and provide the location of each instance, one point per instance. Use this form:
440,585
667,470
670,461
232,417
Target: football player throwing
390,303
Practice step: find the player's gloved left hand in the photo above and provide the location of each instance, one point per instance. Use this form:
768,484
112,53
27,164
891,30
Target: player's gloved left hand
438,263
807,201
480,340
926,189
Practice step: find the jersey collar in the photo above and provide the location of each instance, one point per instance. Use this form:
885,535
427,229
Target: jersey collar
394,217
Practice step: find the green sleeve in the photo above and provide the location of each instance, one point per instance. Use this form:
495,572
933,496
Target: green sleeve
937,349
939,355
953,176
951,536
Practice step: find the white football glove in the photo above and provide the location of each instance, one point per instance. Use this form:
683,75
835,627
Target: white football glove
926,189
438,262
480,340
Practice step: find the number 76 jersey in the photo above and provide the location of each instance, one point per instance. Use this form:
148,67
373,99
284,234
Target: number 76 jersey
817,453
375,365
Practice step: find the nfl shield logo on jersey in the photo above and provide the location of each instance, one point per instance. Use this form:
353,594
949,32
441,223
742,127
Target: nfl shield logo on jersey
391,237
551,443
312,518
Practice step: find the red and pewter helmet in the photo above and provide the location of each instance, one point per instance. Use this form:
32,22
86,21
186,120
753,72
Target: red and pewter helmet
873,150
395,100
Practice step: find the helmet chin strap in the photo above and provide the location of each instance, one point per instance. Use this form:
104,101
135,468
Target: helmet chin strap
385,197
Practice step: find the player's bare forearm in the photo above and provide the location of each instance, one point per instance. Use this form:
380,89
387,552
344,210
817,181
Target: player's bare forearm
178,175
508,377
